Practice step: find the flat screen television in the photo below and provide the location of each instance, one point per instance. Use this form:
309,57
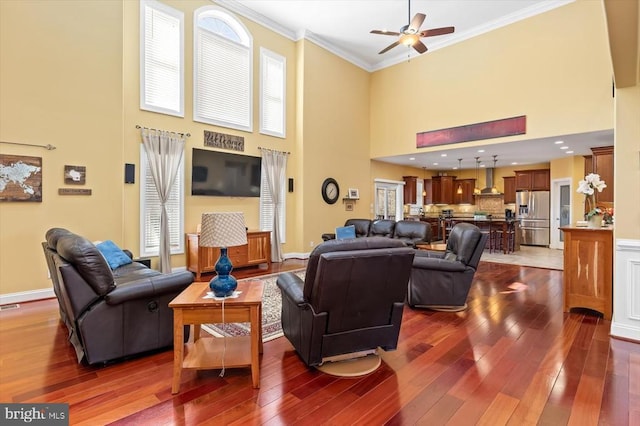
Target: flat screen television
223,174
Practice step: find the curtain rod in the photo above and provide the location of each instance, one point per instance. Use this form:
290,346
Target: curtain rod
284,152
47,146
149,128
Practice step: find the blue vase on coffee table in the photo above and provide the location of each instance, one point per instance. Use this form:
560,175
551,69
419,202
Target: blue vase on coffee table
223,284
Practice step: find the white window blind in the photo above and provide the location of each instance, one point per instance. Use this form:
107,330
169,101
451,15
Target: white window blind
161,58
222,71
272,93
150,211
267,208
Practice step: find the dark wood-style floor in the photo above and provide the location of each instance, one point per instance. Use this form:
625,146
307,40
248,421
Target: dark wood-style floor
512,358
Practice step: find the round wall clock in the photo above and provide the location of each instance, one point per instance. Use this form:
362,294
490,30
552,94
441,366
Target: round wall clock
330,190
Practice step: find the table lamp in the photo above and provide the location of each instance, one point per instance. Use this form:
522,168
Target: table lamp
223,230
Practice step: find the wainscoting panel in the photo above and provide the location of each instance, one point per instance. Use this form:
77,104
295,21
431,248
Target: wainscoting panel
626,290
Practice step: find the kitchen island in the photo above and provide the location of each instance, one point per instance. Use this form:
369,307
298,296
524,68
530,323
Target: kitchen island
501,226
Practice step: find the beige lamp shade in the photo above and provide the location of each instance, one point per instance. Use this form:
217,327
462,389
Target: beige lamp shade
225,229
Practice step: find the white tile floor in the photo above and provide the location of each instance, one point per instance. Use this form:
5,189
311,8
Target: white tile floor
528,256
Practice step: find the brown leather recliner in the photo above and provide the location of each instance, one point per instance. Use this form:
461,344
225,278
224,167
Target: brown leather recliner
351,299
442,280
110,314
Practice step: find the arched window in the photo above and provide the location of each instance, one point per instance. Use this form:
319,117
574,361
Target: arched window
222,87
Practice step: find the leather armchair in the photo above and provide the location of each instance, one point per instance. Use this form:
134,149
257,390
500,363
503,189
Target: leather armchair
110,314
351,299
441,280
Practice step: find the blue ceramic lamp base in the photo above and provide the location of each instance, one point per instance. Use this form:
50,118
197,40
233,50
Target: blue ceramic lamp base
223,284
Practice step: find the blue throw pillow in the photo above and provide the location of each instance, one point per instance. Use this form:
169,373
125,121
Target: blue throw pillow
112,253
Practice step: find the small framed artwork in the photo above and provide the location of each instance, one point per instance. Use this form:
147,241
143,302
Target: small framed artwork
348,207
75,175
353,193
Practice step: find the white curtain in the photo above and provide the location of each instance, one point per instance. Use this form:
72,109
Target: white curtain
274,164
164,153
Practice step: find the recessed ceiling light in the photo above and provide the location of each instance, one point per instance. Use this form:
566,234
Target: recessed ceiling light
435,164
481,150
558,142
455,168
443,155
482,165
564,147
568,152
412,158
514,163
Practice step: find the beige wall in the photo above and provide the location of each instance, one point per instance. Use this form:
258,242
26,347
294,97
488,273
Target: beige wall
335,140
554,68
61,84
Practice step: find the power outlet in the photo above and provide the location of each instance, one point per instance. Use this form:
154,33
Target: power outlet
311,244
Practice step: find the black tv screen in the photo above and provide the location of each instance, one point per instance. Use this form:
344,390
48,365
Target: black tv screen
223,174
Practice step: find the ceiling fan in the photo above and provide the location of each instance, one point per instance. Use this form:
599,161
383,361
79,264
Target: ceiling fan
410,34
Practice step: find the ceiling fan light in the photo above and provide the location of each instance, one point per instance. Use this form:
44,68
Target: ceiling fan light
409,39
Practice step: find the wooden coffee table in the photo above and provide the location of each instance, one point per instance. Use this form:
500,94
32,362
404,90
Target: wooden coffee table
190,307
432,246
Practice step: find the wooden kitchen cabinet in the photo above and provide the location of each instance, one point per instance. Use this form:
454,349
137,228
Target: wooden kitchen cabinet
602,163
467,186
413,190
509,189
203,259
442,189
533,180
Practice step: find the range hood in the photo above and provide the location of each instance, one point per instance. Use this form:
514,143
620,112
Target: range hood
489,189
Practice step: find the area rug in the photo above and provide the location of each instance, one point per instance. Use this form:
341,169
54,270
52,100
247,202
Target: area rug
271,309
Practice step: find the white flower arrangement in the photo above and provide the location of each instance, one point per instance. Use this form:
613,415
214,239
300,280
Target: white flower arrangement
588,187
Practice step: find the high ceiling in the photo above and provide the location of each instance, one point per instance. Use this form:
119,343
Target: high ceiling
343,27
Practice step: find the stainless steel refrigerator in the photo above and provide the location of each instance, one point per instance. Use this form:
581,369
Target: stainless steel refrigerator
532,209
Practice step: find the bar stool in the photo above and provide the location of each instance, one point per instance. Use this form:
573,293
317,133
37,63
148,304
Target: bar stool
510,238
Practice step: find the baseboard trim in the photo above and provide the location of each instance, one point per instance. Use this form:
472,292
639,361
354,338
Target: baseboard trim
295,256
26,296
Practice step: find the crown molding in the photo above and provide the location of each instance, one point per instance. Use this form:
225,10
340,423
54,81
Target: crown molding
541,7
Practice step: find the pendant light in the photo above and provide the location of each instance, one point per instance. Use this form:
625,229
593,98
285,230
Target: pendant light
459,190
476,190
494,190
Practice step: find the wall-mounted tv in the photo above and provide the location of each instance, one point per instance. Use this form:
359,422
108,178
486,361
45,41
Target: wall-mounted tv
223,174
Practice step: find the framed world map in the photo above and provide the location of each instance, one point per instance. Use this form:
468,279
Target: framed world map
20,178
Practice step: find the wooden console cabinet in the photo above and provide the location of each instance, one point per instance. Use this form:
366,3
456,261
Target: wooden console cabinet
203,259
588,269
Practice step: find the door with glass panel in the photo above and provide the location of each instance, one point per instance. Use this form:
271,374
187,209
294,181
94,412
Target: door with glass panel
560,211
388,200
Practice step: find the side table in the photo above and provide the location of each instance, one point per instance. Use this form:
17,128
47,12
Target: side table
190,307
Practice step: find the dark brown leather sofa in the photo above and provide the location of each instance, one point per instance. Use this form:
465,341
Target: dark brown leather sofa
110,314
442,280
351,299
410,231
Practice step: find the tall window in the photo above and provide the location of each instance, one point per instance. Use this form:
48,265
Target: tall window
272,93
161,58
267,209
150,211
222,87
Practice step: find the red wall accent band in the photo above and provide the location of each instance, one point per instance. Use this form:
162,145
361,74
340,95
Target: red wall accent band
473,132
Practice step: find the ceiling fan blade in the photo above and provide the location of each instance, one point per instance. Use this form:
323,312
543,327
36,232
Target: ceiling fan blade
419,46
416,22
437,31
392,33
389,47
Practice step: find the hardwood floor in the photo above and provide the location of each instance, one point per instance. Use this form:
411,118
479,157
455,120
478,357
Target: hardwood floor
512,358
